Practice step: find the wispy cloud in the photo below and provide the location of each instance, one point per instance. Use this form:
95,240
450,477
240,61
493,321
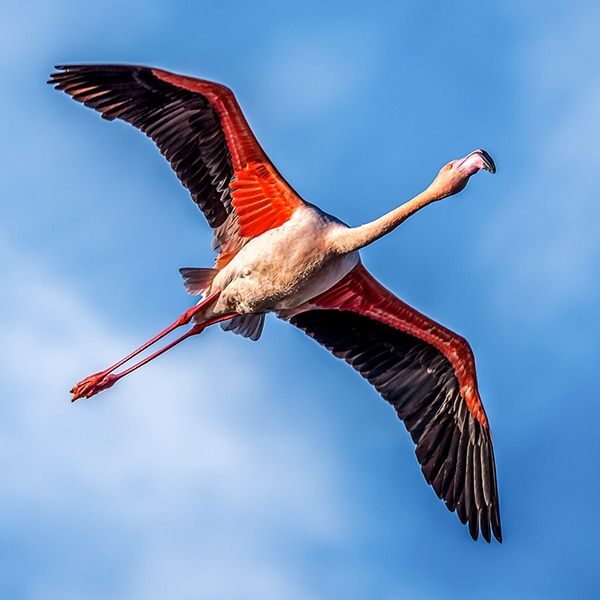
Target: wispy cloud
182,443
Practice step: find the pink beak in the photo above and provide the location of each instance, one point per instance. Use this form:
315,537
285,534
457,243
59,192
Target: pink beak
477,160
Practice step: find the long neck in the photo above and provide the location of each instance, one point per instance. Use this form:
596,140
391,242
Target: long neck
354,238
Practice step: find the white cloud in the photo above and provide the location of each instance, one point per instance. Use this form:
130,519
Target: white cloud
181,571
179,455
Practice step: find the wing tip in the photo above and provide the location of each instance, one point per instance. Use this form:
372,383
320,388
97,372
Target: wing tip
484,520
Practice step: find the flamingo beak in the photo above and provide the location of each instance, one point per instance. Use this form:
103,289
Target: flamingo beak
477,160
488,161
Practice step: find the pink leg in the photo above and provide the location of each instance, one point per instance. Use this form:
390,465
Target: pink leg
93,384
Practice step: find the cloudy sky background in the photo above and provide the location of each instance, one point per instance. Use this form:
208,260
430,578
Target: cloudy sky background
230,469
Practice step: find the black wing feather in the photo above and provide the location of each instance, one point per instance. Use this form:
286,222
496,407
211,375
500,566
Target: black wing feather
453,448
183,124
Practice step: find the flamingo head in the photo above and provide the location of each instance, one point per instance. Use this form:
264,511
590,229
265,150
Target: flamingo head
454,176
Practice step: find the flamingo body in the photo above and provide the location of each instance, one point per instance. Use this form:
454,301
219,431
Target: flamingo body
283,267
278,253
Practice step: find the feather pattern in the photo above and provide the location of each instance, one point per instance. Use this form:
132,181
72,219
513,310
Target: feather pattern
419,378
200,129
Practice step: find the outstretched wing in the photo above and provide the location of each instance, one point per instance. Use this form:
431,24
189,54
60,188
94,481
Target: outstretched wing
200,129
428,374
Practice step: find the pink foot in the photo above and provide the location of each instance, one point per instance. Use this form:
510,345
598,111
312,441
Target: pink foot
93,384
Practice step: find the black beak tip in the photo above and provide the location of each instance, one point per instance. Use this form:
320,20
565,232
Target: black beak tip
488,161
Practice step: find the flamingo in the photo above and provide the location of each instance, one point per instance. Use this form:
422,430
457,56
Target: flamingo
278,253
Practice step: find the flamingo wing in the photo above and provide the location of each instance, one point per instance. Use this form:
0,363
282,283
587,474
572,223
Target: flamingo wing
428,374
200,129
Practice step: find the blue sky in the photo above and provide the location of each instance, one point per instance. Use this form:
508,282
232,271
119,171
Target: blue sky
230,469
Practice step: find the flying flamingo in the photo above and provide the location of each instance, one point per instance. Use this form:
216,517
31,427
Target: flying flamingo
278,253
